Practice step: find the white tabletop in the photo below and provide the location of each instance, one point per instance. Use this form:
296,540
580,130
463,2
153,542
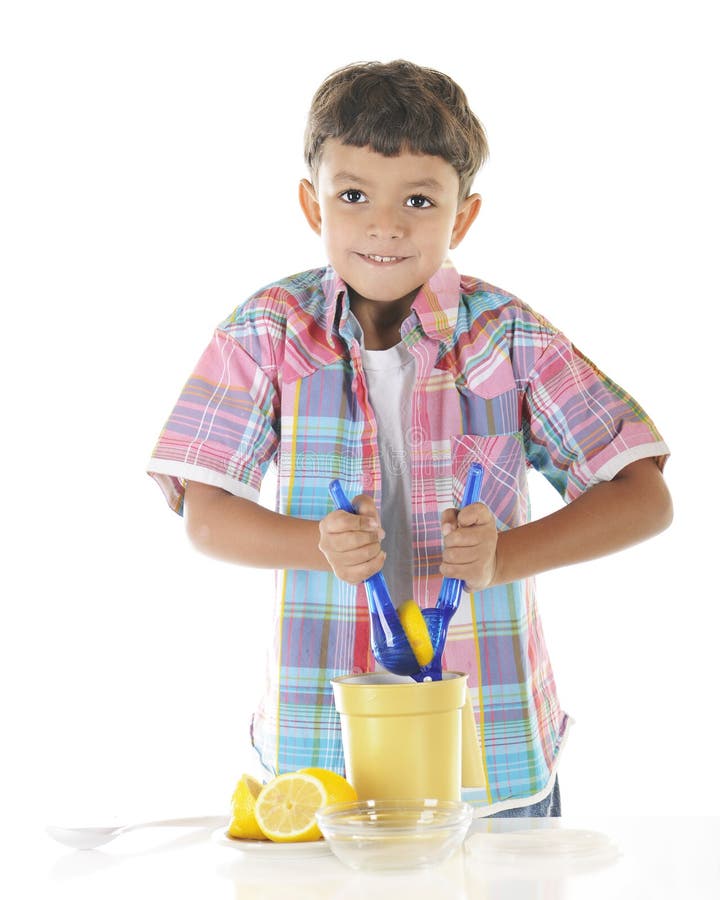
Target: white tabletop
658,858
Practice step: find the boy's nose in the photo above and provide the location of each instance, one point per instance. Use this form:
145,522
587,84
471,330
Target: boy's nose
384,225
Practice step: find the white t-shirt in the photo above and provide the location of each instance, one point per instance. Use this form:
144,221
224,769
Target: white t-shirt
390,376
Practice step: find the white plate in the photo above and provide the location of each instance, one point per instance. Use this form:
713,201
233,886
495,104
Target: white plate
270,848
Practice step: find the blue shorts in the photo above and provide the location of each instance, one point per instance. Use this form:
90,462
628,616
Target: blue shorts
548,806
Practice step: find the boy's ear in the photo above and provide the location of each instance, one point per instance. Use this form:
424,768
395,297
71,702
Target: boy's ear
466,215
309,205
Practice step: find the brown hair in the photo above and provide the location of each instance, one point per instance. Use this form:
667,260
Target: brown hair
395,107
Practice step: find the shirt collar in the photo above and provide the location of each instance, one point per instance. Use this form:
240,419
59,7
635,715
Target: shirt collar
436,303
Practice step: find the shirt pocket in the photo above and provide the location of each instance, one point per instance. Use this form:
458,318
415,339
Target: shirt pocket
504,488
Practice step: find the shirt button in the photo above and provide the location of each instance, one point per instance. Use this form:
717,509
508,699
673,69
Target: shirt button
356,670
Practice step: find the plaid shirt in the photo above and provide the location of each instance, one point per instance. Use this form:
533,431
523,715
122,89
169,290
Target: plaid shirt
281,383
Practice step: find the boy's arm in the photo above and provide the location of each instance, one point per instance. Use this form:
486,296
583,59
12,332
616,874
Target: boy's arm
611,515
240,531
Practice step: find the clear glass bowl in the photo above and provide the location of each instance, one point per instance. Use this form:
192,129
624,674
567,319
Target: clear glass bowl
394,834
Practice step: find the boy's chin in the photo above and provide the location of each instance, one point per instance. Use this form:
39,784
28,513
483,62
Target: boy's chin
386,297
371,281
382,289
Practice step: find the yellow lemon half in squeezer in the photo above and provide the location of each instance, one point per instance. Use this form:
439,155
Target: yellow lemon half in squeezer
416,631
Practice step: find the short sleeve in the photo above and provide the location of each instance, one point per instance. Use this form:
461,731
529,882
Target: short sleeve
579,427
223,429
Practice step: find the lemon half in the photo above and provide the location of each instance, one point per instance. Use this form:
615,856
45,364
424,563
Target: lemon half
243,823
285,809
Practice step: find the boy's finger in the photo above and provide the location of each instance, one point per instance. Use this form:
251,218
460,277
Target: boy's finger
349,541
365,506
470,536
339,521
474,514
448,521
460,555
357,573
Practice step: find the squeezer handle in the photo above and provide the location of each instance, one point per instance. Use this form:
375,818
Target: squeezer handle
451,588
378,592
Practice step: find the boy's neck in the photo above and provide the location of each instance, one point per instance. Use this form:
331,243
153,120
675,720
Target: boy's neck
381,321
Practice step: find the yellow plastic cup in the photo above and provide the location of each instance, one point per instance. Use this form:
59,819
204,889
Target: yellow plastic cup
402,739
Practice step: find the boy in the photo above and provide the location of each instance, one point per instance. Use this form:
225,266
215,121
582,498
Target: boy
390,371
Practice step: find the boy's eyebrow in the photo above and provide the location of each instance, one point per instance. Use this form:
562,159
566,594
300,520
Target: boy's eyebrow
429,183
349,176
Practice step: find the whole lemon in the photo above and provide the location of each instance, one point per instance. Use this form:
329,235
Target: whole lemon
339,789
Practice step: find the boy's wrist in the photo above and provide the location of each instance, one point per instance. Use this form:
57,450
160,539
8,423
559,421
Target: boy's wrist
497,577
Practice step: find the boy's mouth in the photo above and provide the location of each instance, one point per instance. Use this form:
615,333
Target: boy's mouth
382,260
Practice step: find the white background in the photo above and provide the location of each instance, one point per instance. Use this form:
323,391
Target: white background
150,159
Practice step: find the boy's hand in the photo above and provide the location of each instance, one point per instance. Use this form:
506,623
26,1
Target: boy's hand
470,545
351,543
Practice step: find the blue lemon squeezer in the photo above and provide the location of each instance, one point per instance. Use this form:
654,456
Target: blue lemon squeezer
389,643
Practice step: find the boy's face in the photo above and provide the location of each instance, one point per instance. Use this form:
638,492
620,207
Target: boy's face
387,221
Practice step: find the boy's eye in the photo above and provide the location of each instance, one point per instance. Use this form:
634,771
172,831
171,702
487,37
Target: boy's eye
353,196
417,201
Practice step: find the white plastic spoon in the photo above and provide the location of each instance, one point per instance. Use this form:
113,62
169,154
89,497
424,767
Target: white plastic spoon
88,838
